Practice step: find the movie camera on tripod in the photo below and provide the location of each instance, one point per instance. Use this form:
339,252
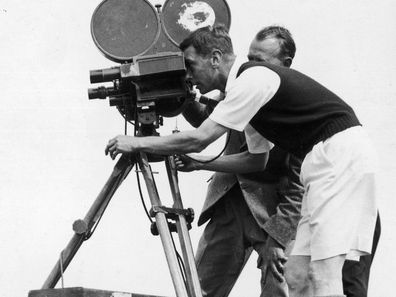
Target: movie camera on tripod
148,84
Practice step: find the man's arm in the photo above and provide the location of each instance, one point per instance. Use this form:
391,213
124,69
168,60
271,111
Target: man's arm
236,163
282,225
178,143
196,113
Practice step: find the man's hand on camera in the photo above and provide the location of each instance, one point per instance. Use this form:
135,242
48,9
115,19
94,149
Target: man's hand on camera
121,144
186,164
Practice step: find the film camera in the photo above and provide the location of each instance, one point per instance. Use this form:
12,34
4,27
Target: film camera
149,83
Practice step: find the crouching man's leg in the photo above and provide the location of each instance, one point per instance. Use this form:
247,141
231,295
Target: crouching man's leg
222,251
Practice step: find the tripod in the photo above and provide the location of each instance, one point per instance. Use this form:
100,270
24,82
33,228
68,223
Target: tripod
83,228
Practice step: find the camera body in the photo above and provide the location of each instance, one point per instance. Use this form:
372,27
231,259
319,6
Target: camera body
150,81
145,90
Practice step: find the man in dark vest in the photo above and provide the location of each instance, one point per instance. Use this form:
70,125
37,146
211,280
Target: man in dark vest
276,105
257,211
274,44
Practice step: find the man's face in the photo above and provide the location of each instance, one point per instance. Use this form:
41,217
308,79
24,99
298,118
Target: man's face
266,50
199,70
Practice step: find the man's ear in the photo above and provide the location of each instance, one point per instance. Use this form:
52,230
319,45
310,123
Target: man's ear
217,55
287,61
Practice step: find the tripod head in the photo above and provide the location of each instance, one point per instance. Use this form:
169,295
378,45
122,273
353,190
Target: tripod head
149,83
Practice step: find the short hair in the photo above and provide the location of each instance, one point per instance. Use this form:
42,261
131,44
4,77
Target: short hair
205,39
286,41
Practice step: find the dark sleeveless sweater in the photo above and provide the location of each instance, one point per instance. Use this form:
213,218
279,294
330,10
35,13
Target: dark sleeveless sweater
301,113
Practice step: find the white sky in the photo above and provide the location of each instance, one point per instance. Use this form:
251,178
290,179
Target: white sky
52,138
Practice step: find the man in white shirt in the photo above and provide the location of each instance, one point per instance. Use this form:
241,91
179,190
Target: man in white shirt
257,211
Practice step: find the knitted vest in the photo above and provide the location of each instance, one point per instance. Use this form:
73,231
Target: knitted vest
301,113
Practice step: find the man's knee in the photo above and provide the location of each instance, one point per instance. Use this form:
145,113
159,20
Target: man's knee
320,281
326,277
296,276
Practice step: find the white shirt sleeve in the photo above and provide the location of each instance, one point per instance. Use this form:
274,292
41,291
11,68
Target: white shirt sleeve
245,96
256,143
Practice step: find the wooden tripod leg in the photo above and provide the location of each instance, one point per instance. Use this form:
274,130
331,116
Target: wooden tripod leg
120,172
194,286
163,229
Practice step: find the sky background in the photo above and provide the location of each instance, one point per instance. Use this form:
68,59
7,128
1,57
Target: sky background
52,138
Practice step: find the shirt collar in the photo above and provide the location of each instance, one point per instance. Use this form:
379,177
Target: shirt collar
233,72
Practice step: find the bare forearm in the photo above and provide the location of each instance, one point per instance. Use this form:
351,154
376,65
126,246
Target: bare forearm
180,143
236,163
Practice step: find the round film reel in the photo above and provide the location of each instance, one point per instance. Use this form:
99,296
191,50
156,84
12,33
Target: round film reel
122,29
181,17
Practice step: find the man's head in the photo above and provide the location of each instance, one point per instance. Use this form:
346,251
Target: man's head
208,54
273,44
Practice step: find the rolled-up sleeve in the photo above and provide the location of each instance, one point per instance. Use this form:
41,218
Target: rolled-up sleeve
245,96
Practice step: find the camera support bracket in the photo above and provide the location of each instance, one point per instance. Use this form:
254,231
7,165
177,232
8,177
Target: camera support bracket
173,213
